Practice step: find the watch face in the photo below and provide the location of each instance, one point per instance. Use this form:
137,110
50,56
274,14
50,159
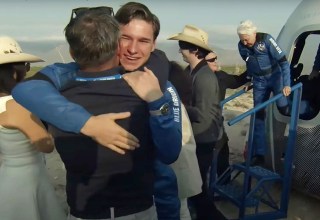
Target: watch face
165,109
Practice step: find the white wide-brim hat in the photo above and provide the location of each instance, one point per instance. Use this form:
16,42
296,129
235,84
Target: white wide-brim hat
193,35
10,52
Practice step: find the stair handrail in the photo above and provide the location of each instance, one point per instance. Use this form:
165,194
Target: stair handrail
235,95
296,91
260,106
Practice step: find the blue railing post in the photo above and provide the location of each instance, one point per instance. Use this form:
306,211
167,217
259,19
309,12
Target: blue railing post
290,148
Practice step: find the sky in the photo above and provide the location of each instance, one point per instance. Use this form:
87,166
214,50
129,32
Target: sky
44,20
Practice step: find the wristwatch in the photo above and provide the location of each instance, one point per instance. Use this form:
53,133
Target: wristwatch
163,110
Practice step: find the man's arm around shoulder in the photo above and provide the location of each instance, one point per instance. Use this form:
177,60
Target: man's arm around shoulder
40,96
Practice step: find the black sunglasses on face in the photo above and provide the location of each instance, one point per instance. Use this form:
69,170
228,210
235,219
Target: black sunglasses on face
211,60
76,11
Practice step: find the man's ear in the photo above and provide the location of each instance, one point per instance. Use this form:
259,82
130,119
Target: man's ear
255,35
71,54
154,45
195,52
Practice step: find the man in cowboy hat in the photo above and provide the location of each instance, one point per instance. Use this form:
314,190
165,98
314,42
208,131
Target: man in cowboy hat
204,112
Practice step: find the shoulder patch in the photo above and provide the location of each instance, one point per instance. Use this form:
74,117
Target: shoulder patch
261,46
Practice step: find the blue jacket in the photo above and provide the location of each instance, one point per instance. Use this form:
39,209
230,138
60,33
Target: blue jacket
265,57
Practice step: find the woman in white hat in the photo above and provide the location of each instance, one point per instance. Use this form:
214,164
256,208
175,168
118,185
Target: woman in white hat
25,190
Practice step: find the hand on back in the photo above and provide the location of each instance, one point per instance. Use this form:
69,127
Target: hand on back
104,130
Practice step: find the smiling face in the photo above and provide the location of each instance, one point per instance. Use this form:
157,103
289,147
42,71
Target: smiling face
136,44
248,40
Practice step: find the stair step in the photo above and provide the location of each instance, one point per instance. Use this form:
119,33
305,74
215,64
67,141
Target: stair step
234,193
258,172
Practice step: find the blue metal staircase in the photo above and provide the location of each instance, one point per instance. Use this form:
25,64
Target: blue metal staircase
251,186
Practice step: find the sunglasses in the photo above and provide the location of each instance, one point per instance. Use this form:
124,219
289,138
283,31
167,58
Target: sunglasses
76,11
211,60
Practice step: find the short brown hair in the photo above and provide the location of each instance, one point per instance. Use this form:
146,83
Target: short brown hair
93,37
135,10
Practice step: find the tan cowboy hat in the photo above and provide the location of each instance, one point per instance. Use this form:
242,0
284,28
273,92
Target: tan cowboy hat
193,35
10,52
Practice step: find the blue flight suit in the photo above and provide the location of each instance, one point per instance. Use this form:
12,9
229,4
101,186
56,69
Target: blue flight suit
165,186
267,64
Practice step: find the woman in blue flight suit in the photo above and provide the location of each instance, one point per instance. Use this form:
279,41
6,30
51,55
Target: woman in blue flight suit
269,70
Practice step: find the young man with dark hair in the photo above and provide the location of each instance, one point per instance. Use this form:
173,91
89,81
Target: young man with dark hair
204,111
